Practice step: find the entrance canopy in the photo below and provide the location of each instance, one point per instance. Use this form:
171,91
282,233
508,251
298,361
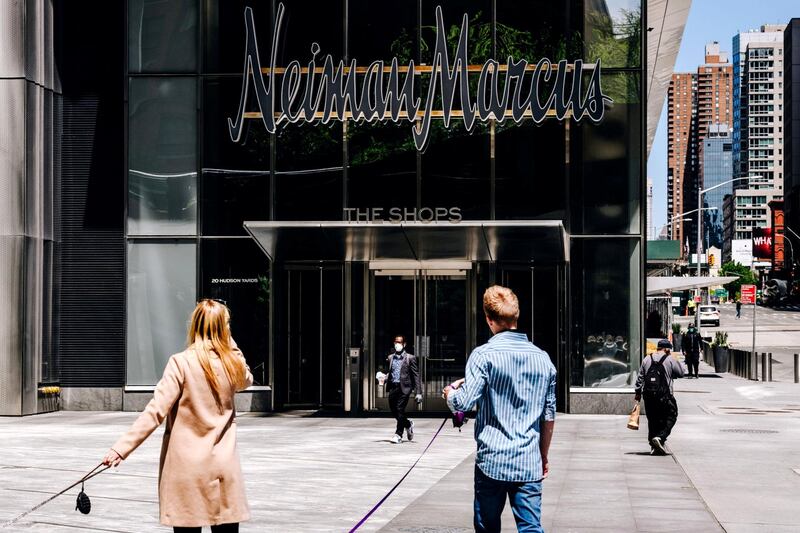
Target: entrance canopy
661,284
528,241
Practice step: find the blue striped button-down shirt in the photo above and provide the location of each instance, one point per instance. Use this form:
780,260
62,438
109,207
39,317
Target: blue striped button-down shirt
514,384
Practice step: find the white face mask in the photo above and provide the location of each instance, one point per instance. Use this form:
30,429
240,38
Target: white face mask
398,347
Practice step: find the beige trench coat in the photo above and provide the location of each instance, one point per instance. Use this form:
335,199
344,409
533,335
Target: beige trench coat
200,478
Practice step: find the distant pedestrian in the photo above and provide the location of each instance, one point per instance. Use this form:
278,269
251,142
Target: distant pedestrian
200,478
402,379
738,309
654,383
691,345
514,385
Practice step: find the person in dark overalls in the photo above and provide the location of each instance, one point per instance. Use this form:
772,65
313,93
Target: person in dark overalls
691,350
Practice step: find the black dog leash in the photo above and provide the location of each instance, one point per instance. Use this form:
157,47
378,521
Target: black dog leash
81,501
459,419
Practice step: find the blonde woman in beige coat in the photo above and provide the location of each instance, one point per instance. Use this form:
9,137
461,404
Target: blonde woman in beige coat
200,479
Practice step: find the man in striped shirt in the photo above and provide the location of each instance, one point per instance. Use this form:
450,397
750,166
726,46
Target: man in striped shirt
514,385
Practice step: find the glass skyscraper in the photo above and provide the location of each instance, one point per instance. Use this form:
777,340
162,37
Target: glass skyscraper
716,166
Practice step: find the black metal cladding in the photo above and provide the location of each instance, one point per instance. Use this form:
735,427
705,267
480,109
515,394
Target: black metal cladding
91,256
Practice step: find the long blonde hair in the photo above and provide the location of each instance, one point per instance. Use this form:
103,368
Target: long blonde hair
209,329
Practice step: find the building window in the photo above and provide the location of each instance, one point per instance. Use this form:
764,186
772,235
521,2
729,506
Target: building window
161,296
162,156
162,36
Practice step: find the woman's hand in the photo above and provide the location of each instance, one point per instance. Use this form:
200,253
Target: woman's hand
112,458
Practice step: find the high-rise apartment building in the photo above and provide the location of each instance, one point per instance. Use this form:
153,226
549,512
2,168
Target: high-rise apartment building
758,86
758,107
695,101
791,130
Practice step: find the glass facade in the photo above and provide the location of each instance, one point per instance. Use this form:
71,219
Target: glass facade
190,189
716,167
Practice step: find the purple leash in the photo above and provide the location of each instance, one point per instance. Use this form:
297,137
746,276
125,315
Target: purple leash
377,505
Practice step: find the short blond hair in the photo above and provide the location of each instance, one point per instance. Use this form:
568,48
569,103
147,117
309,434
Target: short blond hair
501,305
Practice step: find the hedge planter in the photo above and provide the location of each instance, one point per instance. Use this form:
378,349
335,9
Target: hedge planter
720,359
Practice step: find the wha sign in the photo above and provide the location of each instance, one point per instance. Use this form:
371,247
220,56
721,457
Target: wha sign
516,89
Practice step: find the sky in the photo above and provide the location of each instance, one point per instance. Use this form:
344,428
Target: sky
709,20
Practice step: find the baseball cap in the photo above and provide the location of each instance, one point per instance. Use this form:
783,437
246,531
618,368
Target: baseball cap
664,343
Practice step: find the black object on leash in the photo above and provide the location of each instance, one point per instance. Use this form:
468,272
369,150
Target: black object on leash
82,504
459,419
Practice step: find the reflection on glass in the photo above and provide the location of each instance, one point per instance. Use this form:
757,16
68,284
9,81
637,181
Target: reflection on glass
382,170
456,170
609,199
606,304
308,176
531,171
162,36
535,29
613,30
237,272
225,33
161,297
162,156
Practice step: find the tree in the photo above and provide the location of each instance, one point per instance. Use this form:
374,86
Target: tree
746,276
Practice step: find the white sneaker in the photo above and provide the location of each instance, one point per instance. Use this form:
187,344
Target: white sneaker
410,431
658,446
396,439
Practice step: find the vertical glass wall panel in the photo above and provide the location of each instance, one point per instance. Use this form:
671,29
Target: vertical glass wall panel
605,309
613,30
236,176
161,297
535,29
608,199
530,171
382,171
373,37
225,34
308,176
162,36
162,156
456,170
237,272
479,13
310,21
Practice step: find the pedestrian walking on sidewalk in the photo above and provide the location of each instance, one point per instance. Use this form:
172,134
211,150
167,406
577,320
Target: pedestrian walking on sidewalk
738,309
514,385
654,383
402,379
691,351
200,478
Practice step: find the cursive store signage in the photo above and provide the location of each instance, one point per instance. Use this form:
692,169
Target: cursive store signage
516,89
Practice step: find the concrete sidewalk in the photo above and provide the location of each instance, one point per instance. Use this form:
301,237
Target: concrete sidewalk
735,466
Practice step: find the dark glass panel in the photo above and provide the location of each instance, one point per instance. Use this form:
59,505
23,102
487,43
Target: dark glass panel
311,21
308,179
606,312
237,272
374,36
382,168
236,176
608,200
479,13
535,29
530,171
332,328
162,36
225,33
456,170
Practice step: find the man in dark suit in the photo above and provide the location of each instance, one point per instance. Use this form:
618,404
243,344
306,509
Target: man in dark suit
402,378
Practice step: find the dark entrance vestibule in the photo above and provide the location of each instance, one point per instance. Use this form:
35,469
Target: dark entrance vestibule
335,319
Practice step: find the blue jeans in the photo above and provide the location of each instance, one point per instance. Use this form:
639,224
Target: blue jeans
490,499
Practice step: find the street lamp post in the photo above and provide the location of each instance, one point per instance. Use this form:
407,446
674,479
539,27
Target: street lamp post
700,193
